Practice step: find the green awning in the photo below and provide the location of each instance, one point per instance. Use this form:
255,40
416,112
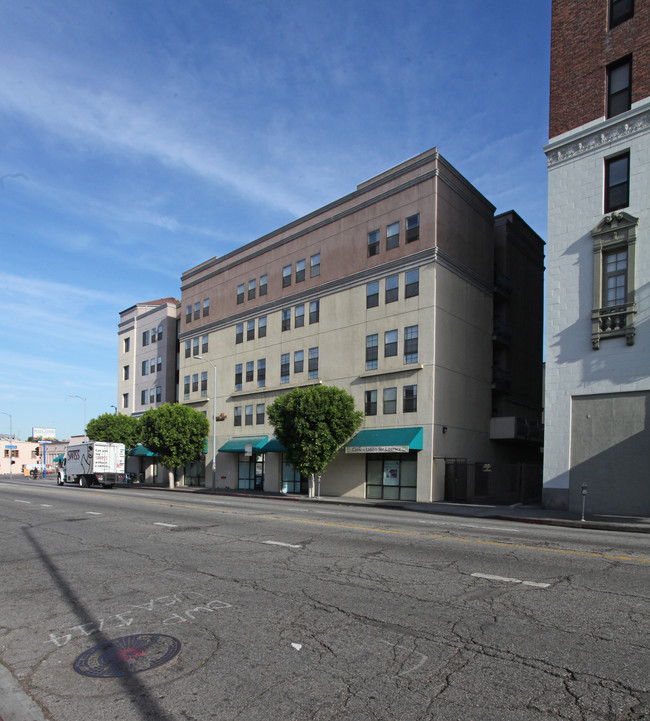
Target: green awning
60,458
386,440
274,446
238,445
140,450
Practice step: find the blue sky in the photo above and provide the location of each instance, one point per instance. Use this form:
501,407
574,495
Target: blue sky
140,138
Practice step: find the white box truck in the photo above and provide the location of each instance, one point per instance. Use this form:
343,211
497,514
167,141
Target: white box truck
93,463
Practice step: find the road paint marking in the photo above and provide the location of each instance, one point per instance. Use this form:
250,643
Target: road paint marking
17,501
93,513
167,525
279,543
46,505
297,646
422,661
505,579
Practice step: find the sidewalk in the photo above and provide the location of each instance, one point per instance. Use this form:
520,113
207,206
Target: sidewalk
517,513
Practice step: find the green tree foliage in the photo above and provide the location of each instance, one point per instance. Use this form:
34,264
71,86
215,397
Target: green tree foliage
175,432
114,428
312,424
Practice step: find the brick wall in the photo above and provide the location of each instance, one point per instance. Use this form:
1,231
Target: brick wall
581,48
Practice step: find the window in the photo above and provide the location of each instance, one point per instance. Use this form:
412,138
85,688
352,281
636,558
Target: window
250,370
313,363
252,286
125,400
188,349
248,419
412,283
152,396
195,382
204,383
143,397
285,367
390,401
197,311
372,294
392,236
238,376
127,345
371,403
240,293
314,311
259,413
158,394
298,361
314,265
153,335
261,326
615,277
237,420
390,343
264,284
250,330
206,307
188,313
261,372
286,319
620,11
186,387
125,373
239,333
299,316
392,288
159,364
204,344
145,337
619,87
145,367
286,276
372,351
373,243
152,365
160,332
412,227
617,182
195,346
410,399
300,271
411,344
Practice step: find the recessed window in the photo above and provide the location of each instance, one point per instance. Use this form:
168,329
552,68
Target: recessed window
373,243
195,382
153,335
252,284
261,327
125,373
261,372
158,394
188,349
412,287
412,228
371,403
615,277
392,236
145,337
264,284
127,345
238,377
392,288
411,344
313,363
372,294
620,11
314,265
259,413
239,333
160,332
286,319
619,87
299,316
250,371
372,351
314,311
197,311
410,400
188,313
240,293
125,400
250,330
204,383
248,418
390,401
152,395
237,417
206,307
195,346
186,387
285,367
143,397
390,343
204,344
617,182
145,367
300,271
286,276
159,364
298,361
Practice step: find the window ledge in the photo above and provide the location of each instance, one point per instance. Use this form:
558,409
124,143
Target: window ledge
411,368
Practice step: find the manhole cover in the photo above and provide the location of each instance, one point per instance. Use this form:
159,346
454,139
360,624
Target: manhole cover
127,655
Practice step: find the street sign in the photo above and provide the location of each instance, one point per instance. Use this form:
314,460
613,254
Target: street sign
13,448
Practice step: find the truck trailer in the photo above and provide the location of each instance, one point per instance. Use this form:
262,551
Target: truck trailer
93,463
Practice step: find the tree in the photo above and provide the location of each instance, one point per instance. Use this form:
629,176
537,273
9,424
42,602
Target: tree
312,424
175,432
114,428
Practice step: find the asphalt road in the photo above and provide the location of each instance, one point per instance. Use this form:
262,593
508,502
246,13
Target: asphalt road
232,608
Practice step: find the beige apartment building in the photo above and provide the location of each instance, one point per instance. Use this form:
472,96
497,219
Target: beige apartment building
398,293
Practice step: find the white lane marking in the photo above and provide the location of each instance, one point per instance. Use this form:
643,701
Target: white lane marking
93,513
46,505
17,501
504,579
279,543
167,525
469,525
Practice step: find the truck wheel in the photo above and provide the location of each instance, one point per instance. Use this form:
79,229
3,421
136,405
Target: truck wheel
59,482
83,482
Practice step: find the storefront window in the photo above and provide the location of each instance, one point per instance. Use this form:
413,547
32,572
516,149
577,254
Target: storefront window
391,476
292,481
250,472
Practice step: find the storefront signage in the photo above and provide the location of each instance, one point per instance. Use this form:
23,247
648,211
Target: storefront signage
377,449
